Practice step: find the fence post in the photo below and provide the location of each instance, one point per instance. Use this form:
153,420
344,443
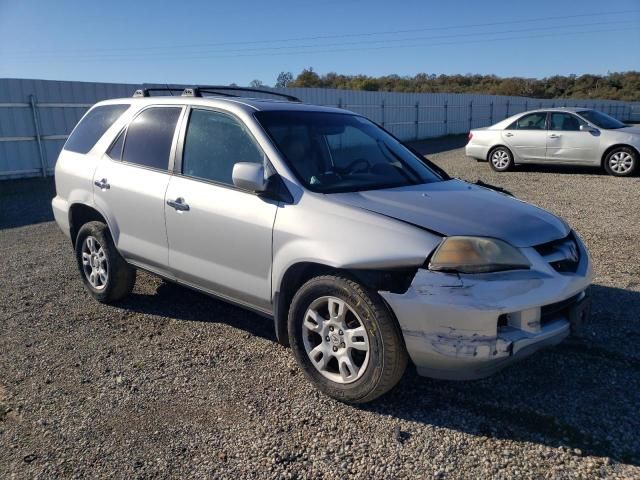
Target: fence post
36,125
526,105
340,102
446,117
382,106
417,120
491,112
507,112
470,113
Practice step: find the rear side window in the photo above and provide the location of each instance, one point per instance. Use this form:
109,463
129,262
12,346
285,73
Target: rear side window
214,143
92,127
149,137
533,121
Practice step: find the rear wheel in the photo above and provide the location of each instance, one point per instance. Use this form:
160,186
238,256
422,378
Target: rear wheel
105,274
621,162
345,339
501,159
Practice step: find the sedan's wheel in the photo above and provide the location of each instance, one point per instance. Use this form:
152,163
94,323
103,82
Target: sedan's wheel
621,162
501,159
345,339
105,274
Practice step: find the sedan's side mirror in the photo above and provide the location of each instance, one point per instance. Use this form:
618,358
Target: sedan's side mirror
249,176
588,128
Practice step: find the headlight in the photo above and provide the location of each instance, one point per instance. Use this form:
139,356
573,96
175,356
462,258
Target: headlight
476,255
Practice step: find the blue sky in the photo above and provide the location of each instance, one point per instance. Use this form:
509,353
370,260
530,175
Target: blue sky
223,42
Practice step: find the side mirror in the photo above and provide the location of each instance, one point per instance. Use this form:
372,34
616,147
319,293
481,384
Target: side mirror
587,128
249,176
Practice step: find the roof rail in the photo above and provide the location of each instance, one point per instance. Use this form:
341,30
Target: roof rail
198,90
144,92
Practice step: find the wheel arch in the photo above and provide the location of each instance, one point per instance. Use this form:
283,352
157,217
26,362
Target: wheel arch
394,280
81,213
618,145
499,145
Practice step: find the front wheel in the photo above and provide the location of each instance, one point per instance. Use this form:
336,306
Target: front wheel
345,339
621,162
501,159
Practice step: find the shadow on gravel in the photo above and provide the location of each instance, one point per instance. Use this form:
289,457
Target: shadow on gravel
581,395
26,201
180,303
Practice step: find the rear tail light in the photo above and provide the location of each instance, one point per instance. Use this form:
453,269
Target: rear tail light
470,135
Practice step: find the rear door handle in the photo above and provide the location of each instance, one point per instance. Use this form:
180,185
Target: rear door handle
178,204
102,184
553,135
508,134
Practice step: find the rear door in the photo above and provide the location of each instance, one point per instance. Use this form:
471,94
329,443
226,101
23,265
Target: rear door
220,237
566,143
527,137
131,181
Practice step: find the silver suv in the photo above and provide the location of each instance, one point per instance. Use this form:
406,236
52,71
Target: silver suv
363,253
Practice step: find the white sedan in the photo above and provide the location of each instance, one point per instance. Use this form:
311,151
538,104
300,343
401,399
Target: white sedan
567,136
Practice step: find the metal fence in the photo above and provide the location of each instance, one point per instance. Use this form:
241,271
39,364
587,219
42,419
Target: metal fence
36,116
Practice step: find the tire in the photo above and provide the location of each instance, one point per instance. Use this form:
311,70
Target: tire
105,274
621,162
376,349
501,159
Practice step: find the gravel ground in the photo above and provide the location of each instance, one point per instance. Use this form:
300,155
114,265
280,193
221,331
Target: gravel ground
173,384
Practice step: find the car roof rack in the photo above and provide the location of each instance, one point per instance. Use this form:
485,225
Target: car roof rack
198,90
144,92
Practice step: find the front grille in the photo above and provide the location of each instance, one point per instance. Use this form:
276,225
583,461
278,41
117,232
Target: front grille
563,255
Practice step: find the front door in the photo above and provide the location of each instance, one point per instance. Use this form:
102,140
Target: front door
220,237
130,184
566,143
527,137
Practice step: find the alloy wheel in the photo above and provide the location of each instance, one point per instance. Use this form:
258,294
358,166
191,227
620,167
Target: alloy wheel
621,162
94,263
335,340
500,159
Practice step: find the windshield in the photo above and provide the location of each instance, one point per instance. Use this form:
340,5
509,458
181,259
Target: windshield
601,120
336,152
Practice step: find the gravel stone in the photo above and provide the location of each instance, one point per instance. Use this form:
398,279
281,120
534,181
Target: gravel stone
173,384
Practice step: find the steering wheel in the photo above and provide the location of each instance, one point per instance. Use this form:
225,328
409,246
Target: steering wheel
351,167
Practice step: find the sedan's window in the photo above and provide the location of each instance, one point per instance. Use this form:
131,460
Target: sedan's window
93,126
601,120
149,137
336,152
214,143
115,151
564,121
533,121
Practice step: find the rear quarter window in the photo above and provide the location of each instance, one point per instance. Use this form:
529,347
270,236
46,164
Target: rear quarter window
93,126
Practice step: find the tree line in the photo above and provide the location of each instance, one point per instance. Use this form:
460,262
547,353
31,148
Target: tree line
612,86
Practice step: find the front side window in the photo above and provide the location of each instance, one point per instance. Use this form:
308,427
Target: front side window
601,120
149,137
533,121
336,152
214,143
93,126
564,121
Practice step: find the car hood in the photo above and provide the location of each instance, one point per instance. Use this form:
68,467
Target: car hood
455,207
632,130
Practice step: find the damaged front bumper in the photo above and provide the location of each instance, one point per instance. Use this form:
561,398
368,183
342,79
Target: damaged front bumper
461,327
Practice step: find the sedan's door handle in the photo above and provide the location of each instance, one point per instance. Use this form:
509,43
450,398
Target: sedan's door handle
553,135
508,134
178,204
102,184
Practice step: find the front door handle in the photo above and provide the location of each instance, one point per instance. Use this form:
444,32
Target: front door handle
102,184
553,135
508,134
178,204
